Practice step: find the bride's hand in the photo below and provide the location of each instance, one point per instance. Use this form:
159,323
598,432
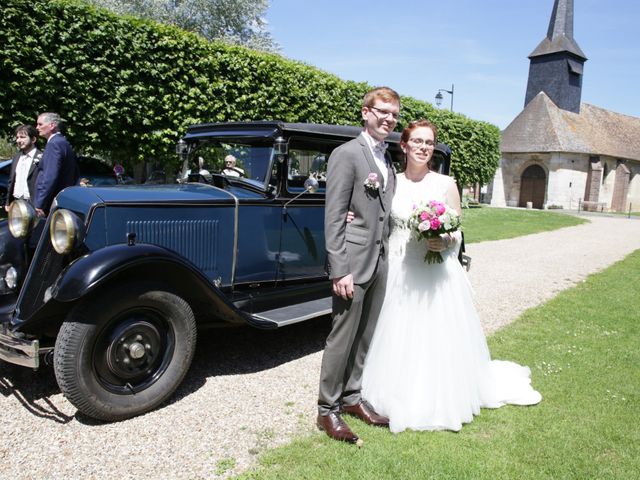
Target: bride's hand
439,244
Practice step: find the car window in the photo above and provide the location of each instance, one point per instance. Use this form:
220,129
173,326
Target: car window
239,160
304,164
308,158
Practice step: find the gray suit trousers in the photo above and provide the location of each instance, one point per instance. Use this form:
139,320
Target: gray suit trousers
354,322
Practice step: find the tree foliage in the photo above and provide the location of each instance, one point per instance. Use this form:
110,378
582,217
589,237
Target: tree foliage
239,22
128,88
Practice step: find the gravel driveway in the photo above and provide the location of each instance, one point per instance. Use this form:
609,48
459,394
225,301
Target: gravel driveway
250,390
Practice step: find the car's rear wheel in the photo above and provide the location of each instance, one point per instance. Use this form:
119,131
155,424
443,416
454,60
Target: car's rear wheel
123,353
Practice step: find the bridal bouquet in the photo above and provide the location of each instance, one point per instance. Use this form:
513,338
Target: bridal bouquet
431,220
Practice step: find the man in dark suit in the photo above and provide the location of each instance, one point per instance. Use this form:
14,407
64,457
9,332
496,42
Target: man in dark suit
58,167
25,166
360,179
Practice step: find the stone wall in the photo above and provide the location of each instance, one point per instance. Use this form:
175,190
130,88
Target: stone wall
568,180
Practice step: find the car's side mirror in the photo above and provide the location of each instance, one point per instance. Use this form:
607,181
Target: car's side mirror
310,186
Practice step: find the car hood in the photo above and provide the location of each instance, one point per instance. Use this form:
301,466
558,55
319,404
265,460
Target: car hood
82,199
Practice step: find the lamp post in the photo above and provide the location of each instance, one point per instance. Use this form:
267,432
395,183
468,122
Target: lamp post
439,96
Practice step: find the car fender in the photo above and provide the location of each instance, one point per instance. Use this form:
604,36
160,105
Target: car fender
93,270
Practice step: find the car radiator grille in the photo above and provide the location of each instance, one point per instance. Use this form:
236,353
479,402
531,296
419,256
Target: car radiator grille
45,268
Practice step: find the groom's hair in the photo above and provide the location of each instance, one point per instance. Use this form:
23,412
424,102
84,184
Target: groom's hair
385,94
406,133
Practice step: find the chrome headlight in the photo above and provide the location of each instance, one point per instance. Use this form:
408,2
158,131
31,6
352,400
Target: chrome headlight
66,231
22,218
11,278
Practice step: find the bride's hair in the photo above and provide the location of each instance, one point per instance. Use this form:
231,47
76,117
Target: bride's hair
406,133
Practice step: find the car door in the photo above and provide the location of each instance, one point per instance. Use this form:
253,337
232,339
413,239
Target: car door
302,253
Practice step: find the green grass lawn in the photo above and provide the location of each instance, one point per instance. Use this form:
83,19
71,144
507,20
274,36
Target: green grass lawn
486,223
583,350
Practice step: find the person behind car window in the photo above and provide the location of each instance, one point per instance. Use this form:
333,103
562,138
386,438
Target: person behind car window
58,167
24,166
230,168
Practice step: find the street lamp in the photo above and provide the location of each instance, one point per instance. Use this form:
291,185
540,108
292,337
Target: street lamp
439,96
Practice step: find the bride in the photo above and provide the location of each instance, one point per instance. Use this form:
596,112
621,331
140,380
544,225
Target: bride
429,366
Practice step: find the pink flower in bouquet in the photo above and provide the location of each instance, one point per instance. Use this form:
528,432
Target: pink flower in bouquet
432,219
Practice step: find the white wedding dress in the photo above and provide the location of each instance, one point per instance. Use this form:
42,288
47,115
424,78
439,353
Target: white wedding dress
428,366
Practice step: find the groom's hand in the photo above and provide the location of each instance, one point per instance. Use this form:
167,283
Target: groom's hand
343,286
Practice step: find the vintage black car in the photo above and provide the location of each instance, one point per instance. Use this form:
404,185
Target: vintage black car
124,276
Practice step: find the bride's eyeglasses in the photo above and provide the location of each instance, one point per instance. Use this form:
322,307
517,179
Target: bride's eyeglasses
419,142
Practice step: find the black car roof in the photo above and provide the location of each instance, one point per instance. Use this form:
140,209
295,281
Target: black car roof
272,128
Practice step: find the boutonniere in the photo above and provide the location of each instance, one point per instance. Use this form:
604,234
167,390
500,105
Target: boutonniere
371,182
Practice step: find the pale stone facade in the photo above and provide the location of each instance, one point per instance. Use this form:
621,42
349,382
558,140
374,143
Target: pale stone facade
566,177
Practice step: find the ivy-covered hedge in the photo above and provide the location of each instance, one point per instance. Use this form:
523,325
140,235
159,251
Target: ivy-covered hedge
128,88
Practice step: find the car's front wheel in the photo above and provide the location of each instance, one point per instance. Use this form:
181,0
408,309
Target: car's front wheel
123,352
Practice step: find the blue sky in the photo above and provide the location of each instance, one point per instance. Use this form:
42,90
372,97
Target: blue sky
480,46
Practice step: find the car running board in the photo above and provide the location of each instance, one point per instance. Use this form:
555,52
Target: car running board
300,312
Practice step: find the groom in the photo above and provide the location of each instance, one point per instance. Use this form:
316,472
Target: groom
360,179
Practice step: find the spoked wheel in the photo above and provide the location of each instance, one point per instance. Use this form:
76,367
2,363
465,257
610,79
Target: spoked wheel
125,352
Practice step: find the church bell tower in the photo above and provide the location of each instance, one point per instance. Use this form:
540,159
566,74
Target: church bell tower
557,62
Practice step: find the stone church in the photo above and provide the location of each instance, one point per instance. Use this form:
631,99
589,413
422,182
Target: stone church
562,153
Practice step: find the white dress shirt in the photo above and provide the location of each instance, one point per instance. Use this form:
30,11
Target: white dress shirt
378,156
21,186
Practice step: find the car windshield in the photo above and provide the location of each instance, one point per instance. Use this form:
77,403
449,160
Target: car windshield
244,160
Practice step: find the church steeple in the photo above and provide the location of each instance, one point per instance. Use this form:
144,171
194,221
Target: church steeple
557,62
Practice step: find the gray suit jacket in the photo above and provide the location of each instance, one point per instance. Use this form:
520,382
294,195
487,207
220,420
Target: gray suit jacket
354,247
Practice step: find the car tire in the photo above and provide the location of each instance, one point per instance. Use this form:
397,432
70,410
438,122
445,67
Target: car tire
124,352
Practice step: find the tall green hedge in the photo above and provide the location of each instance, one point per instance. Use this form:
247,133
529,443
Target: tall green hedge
128,88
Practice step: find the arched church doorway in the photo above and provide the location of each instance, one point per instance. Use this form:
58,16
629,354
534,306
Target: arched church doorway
532,186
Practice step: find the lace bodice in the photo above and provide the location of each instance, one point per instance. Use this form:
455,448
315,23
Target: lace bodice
408,195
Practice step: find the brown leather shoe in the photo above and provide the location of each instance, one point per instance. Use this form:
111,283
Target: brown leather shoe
366,413
334,426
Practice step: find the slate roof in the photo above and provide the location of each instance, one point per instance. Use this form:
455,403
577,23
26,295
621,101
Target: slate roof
560,33
543,127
